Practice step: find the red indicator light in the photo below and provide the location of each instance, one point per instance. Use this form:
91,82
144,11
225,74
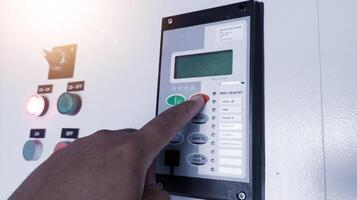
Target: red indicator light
37,105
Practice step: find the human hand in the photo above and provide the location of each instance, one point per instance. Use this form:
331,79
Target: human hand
109,164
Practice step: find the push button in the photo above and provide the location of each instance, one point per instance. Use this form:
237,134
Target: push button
61,145
32,150
69,104
197,138
200,119
175,99
205,96
178,139
37,105
197,159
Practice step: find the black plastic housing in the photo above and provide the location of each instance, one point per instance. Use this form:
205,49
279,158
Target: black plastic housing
217,189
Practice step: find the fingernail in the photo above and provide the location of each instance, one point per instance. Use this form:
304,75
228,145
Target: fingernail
199,97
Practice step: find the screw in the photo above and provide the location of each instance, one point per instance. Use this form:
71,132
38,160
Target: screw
159,185
241,196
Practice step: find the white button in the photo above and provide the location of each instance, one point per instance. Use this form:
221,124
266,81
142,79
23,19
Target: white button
230,135
230,161
231,126
230,170
230,144
230,118
37,105
231,109
229,152
231,101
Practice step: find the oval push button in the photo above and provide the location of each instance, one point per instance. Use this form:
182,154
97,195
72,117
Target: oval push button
175,99
178,139
32,150
205,96
197,138
200,119
69,104
197,159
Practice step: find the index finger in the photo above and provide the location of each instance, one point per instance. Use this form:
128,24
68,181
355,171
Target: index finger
158,132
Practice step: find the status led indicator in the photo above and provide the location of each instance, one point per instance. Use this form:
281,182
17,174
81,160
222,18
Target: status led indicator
37,105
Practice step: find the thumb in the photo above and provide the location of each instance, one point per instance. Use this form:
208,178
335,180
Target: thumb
151,192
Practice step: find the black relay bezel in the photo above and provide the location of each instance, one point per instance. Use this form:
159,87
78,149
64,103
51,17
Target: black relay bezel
219,189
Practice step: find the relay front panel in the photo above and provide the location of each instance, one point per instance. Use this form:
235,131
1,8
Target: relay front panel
217,53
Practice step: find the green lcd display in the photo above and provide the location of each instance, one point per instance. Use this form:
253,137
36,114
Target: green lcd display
204,64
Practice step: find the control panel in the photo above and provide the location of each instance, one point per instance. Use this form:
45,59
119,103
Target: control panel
61,65
211,52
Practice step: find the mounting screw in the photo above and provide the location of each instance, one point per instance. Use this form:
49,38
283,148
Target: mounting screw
159,185
170,20
241,196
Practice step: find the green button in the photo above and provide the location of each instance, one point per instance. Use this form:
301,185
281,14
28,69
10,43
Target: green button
174,100
69,104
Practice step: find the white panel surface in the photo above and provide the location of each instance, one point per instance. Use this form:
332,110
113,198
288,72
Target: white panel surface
294,150
338,27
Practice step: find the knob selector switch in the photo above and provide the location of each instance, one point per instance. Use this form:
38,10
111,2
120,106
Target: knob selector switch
69,104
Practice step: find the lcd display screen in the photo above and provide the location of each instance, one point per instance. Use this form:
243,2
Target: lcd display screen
204,64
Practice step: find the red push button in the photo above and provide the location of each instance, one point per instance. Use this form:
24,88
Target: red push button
61,145
205,96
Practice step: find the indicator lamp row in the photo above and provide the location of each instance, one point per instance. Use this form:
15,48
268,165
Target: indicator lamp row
67,104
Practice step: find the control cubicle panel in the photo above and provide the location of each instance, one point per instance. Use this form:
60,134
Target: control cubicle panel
210,52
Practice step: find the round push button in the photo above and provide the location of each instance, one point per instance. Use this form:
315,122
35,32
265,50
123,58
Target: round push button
175,99
69,104
37,105
32,150
61,145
